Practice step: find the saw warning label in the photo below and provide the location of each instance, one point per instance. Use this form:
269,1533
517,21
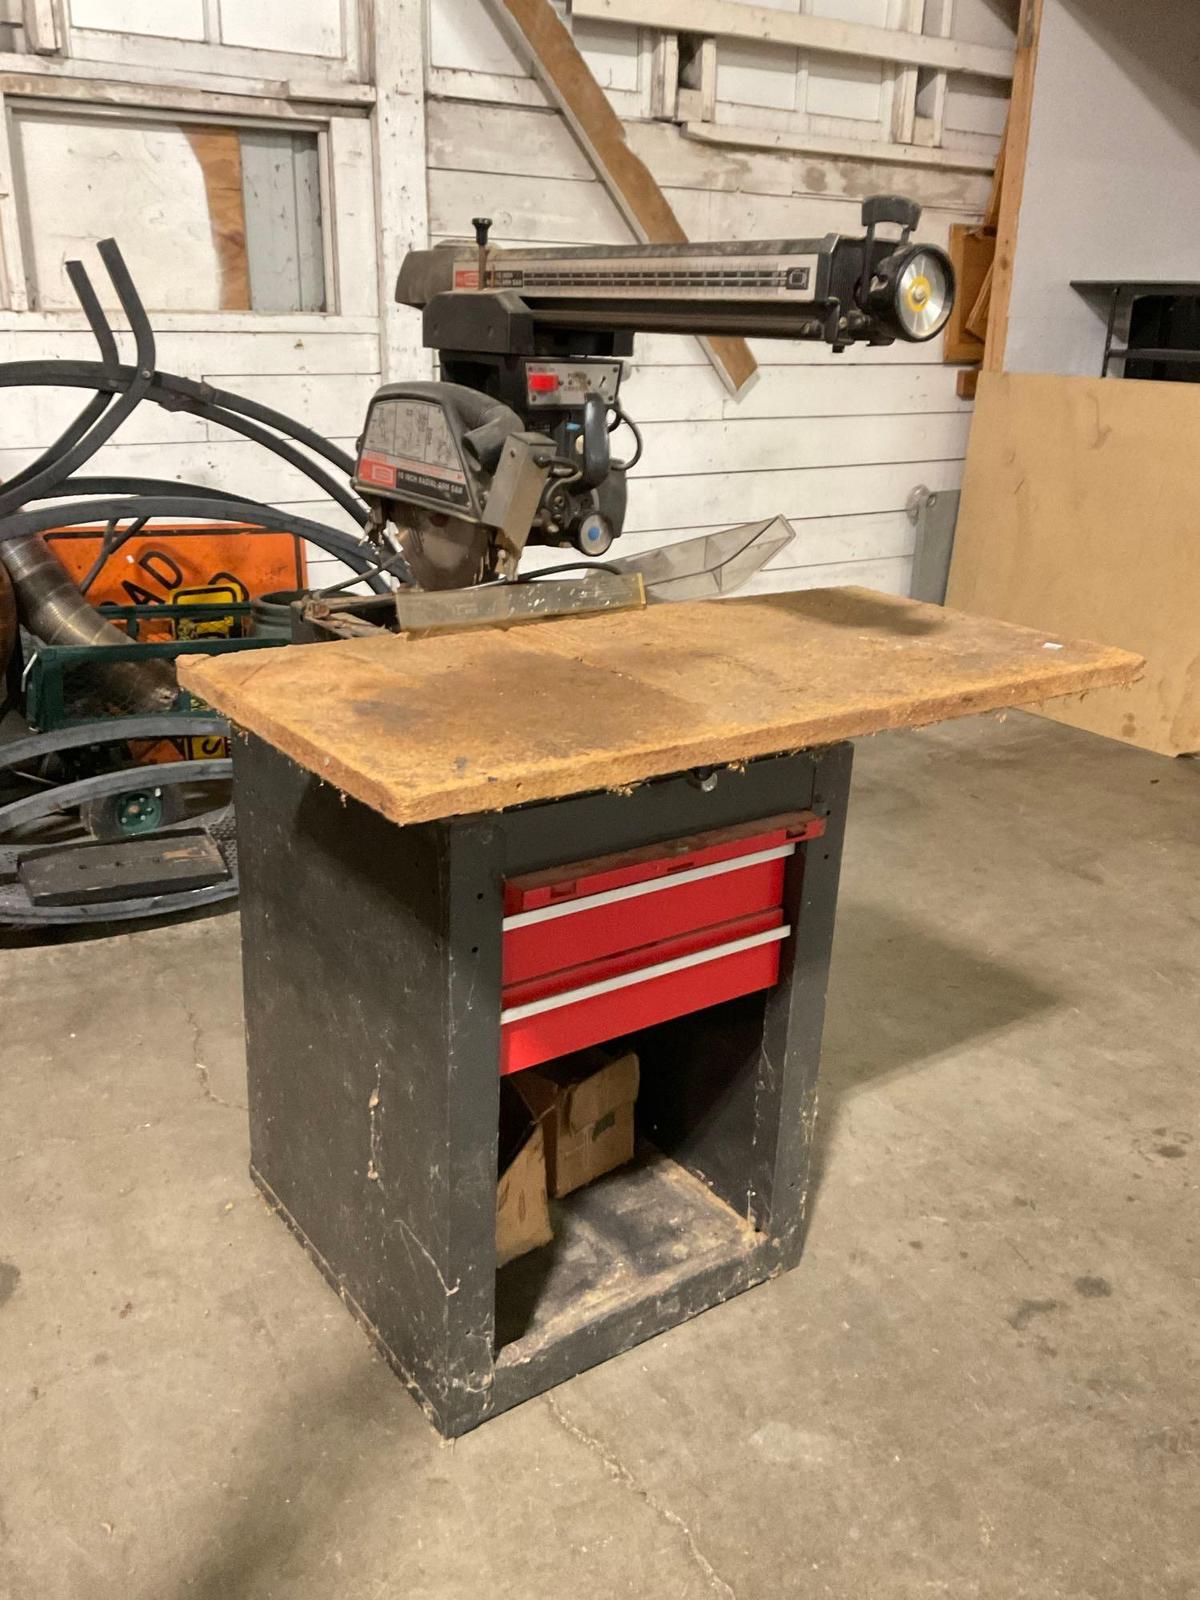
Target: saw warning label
409,448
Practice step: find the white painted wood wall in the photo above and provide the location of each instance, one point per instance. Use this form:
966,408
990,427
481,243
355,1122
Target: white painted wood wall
834,443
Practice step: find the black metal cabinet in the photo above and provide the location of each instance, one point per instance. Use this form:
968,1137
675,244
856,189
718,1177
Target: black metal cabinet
372,959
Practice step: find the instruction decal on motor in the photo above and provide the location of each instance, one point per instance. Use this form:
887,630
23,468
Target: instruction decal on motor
409,446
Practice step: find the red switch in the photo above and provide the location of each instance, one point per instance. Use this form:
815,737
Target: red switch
543,382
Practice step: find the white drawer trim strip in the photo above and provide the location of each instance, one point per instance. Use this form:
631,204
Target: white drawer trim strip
625,980
631,891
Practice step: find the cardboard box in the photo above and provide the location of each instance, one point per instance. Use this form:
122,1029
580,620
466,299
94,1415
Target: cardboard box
522,1207
585,1105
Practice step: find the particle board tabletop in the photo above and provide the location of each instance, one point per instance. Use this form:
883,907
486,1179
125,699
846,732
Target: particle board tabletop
468,722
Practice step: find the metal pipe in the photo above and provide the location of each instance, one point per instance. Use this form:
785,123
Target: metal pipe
52,608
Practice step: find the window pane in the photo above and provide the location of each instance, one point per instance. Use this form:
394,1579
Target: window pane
281,186
210,217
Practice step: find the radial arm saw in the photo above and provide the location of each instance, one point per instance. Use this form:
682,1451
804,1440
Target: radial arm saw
514,446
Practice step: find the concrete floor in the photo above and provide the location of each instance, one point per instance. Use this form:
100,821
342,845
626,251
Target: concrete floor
982,1380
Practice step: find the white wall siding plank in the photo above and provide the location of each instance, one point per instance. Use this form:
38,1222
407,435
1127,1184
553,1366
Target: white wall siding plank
723,498
334,404
467,136
744,449
226,463
553,210
258,349
874,536
655,394
888,577
677,350
40,415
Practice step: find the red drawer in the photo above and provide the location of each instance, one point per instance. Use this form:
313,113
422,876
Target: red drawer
602,907
584,1005
608,946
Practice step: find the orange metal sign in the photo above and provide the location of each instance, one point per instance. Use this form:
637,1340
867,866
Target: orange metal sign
182,564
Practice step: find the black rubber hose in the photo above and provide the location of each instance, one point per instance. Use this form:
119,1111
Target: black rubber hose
174,393
110,360
342,545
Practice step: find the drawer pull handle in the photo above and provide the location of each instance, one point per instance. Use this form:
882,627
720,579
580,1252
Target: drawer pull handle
625,980
589,902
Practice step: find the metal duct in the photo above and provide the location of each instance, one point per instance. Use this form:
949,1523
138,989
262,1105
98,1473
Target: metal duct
52,608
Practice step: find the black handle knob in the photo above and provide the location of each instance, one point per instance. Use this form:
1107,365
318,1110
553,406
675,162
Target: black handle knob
895,208
482,226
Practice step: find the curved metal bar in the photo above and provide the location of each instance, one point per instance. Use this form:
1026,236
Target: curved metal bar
114,730
86,447
110,359
64,795
342,545
158,905
174,393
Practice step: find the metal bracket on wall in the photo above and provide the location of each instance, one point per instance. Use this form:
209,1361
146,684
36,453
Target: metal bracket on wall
934,515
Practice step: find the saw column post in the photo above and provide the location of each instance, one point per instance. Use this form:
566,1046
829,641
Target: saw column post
374,992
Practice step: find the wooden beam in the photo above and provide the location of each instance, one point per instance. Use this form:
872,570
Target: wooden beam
728,19
818,144
991,216
74,72
971,253
977,317
1016,149
122,97
535,28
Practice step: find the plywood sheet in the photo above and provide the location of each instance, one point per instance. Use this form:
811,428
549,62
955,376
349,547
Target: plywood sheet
1081,512
475,722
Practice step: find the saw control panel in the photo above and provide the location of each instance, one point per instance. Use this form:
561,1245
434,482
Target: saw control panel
555,384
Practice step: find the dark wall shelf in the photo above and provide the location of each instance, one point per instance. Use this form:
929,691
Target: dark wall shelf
1163,322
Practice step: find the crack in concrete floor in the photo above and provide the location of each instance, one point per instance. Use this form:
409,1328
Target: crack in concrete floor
617,1470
